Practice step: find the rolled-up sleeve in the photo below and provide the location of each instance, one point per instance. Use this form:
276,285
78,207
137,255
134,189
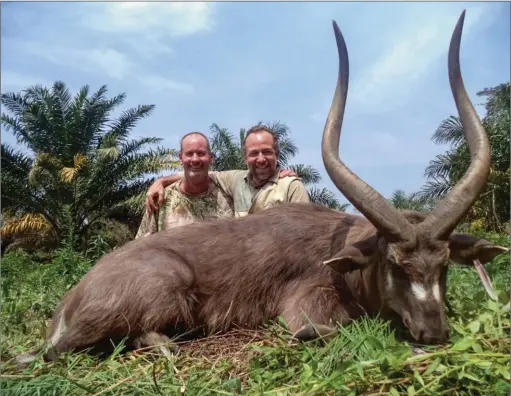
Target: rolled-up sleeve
226,180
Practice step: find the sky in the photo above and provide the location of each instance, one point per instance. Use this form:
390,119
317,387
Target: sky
235,64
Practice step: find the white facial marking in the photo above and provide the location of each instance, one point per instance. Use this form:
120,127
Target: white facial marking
59,331
419,291
436,291
390,282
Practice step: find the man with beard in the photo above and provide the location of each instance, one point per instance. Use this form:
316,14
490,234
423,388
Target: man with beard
192,197
260,187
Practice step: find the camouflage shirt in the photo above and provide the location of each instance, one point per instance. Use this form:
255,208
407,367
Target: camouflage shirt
180,208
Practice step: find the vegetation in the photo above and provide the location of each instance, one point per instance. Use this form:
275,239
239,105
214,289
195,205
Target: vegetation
81,168
228,154
82,179
413,201
491,211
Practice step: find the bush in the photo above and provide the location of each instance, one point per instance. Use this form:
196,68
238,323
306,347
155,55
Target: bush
32,288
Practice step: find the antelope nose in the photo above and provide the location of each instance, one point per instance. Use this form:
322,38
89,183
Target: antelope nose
435,336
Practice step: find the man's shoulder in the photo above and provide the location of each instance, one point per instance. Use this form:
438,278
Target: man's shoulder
293,189
229,179
233,173
290,181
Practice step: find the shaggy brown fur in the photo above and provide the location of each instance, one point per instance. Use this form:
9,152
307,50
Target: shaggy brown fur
221,273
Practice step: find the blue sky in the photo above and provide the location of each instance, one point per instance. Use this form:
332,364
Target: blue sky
235,64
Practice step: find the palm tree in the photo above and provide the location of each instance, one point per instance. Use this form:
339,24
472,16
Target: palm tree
82,167
447,169
228,154
413,201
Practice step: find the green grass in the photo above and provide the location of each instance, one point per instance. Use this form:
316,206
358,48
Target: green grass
365,358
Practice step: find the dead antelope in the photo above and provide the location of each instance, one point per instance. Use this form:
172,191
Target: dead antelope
313,266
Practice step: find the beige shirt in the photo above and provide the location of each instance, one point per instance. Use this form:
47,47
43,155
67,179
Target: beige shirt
248,199
180,208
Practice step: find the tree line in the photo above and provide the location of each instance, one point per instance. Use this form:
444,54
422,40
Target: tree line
84,179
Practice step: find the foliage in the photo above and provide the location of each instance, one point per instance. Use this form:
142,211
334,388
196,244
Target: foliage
443,172
81,167
366,357
228,154
413,201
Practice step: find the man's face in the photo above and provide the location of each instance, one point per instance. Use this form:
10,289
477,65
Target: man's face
260,156
195,157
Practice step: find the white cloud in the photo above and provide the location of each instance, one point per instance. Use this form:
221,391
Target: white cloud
412,51
113,63
158,83
157,18
12,80
145,27
415,46
104,60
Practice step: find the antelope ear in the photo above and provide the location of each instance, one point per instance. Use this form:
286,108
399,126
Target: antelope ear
353,257
467,248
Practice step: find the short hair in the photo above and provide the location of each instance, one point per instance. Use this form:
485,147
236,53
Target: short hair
262,128
195,133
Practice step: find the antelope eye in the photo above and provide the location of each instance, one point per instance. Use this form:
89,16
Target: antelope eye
398,271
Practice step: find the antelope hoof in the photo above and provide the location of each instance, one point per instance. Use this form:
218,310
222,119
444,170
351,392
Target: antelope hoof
418,351
153,339
310,332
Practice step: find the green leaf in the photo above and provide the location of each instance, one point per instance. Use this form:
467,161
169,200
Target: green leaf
345,366
374,342
463,344
360,371
417,376
393,391
486,318
474,326
306,373
433,366
494,305
483,364
504,371
469,376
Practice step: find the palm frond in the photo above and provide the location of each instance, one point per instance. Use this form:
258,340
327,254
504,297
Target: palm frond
122,127
323,197
450,131
227,152
307,173
31,222
14,161
68,174
435,188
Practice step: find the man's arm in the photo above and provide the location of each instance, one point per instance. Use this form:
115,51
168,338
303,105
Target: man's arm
225,180
298,193
155,196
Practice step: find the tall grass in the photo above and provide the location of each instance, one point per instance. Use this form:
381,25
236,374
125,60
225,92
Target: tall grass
365,358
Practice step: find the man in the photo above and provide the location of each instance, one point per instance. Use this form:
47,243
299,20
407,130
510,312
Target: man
192,197
260,187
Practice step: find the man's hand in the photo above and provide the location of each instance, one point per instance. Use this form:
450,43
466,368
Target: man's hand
287,172
155,196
